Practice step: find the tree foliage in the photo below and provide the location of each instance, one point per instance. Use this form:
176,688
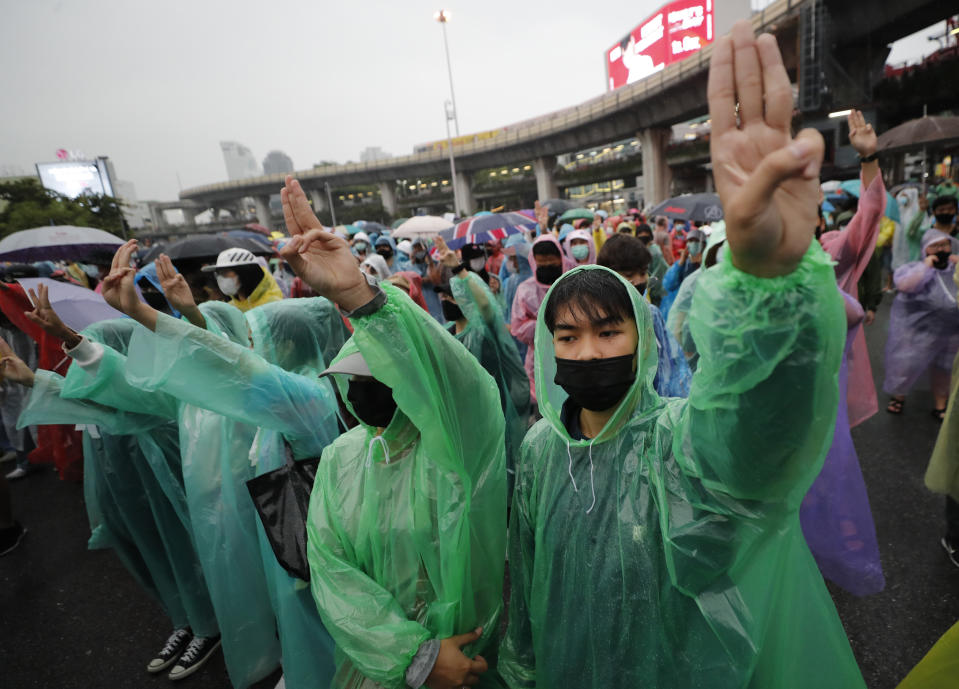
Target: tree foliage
24,204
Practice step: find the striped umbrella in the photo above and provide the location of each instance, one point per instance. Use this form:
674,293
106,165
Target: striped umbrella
486,228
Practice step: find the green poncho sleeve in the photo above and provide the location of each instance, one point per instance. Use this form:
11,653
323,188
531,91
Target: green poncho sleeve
106,384
45,406
203,369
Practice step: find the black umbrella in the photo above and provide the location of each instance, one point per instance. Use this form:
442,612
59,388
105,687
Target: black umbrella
559,206
703,208
209,246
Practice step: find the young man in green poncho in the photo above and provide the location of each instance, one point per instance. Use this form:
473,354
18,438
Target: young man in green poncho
407,520
656,543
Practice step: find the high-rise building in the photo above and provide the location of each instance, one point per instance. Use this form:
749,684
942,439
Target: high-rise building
277,163
373,153
239,160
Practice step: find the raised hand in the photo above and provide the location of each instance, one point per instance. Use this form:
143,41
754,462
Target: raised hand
13,367
444,254
44,315
862,136
321,259
542,214
174,285
119,287
768,181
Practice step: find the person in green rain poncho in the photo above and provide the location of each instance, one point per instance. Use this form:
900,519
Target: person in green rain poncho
656,543
478,323
276,387
215,466
134,500
407,521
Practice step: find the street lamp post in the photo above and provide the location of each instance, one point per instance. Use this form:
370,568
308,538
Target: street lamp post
451,114
443,16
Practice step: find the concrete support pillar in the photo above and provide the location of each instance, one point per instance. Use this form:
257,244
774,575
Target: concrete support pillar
262,210
189,216
656,173
545,184
388,197
464,194
318,197
159,220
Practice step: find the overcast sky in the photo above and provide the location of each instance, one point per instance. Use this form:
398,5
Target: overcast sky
157,85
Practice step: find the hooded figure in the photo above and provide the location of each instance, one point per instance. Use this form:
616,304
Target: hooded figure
275,387
215,467
908,202
407,521
923,323
133,490
489,341
579,256
375,265
385,247
529,295
644,556
682,268
151,291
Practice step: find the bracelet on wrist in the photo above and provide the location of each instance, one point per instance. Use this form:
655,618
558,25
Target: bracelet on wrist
458,269
869,158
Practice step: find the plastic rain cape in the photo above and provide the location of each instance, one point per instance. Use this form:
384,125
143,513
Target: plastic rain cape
646,557
489,341
127,504
406,532
276,387
215,466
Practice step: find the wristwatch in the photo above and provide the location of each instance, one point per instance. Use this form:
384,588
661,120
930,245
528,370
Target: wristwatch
868,158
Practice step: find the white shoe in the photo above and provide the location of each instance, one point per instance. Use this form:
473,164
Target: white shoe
16,473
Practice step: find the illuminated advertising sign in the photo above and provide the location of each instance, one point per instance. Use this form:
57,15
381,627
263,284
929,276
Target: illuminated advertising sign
674,32
73,178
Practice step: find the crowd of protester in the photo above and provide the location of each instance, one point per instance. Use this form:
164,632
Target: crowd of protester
646,419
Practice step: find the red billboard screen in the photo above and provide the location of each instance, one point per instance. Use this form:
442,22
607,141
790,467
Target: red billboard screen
674,32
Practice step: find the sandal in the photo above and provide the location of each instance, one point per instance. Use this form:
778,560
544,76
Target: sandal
895,406
939,414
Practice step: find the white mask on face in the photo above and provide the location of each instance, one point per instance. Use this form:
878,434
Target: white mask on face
477,264
229,286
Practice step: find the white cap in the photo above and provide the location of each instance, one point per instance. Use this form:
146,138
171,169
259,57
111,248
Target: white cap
230,258
353,364
361,237
406,246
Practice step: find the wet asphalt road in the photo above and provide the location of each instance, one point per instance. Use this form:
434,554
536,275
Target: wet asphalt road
73,618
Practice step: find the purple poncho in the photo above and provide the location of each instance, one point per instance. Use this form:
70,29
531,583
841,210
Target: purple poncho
924,322
835,515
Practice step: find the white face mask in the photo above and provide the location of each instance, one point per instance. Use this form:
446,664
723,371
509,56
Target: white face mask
229,286
477,264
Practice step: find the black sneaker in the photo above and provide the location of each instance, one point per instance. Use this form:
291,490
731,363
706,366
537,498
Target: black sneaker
950,551
10,537
171,650
195,656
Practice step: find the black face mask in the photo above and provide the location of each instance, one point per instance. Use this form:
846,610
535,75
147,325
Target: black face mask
645,239
451,311
373,402
548,274
944,218
942,259
641,287
597,384
387,254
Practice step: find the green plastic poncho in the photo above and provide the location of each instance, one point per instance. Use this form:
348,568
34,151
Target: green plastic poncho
667,551
490,342
406,531
129,510
276,386
215,467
